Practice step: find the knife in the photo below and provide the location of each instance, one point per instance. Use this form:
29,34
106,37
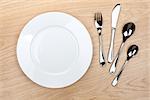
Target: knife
114,20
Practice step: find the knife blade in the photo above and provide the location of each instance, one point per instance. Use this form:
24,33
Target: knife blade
115,15
114,20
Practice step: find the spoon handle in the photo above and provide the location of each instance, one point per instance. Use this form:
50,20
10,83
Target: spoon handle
101,54
114,64
116,79
111,47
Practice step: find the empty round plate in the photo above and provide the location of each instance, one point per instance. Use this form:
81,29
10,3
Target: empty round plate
54,50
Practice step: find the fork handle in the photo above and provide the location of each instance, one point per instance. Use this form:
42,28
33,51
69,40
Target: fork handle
111,47
101,53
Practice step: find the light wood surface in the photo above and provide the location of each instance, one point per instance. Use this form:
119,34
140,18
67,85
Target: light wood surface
96,83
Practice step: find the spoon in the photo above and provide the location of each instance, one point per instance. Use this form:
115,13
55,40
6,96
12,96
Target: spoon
127,31
132,51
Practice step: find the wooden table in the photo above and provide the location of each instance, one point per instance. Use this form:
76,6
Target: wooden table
96,83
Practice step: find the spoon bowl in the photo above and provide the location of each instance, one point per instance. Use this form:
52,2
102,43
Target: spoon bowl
128,30
132,51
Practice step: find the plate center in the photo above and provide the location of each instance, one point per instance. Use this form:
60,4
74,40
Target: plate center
54,49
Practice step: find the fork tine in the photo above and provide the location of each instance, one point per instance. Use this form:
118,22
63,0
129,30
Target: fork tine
101,17
98,18
95,16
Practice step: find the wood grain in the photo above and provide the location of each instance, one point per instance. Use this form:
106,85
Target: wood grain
96,83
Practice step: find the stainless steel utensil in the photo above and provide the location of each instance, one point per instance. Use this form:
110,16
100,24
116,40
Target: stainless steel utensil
127,31
98,24
115,16
132,51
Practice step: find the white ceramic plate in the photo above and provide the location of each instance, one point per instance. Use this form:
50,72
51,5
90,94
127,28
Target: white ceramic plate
54,50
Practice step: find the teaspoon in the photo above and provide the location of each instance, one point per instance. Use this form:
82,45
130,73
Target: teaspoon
132,51
127,31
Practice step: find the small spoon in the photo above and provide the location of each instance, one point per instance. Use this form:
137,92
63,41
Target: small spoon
127,31
132,51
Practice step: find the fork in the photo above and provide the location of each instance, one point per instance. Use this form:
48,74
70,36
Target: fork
98,24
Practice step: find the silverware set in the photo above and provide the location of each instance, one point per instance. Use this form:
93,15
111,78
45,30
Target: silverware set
127,31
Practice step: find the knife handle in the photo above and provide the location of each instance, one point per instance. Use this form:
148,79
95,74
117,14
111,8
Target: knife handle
111,47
